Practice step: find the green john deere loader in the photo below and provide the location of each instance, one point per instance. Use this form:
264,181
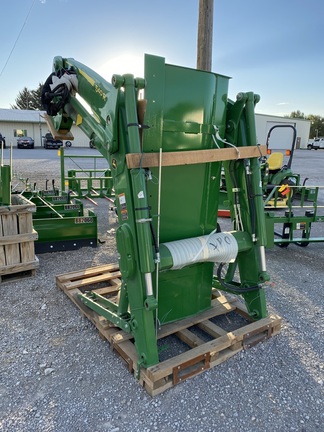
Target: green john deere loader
166,137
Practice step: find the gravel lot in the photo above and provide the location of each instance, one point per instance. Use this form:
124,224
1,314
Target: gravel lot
57,374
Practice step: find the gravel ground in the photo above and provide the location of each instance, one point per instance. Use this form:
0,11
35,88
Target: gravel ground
57,374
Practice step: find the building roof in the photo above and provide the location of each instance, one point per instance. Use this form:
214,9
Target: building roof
17,115
291,119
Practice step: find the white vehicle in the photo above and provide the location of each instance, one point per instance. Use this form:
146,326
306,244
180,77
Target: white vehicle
317,143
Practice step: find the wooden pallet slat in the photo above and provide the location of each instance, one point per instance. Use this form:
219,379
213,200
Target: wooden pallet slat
92,280
208,346
189,338
17,238
19,272
189,157
84,274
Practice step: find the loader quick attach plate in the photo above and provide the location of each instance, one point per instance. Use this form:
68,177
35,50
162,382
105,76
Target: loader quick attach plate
186,347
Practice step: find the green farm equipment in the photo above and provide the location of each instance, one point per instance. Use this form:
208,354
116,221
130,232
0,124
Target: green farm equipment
85,182
279,182
293,224
61,222
291,208
165,150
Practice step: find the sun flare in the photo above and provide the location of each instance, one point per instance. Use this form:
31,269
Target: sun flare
123,64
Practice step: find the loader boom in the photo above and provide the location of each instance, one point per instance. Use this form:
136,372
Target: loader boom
165,152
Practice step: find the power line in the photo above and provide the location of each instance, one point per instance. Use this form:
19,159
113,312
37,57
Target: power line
14,45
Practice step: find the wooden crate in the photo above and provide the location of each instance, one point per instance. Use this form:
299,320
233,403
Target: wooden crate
17,238
197,343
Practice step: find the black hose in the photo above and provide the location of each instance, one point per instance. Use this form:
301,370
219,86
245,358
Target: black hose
232,288
156,247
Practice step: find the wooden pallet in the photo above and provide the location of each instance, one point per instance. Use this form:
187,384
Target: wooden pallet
19,275
195,344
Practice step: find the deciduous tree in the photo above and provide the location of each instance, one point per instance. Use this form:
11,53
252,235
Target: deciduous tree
317,123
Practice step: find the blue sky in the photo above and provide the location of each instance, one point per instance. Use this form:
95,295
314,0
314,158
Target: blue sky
273,48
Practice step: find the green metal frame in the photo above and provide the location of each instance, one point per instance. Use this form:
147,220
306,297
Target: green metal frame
84,182
243,181
60,223
185,110
5,185
295,220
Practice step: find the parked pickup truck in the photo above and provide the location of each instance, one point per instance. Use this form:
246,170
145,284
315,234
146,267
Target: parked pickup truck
50,142
317,143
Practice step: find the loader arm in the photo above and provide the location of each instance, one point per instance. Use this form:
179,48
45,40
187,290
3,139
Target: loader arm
165,154
63,107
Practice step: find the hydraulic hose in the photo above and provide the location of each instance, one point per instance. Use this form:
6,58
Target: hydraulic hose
232,288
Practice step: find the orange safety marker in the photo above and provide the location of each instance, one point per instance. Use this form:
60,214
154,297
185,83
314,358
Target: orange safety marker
224,213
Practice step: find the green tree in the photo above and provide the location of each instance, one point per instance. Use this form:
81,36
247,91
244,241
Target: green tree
317,125
29,99
297,114
22,100
37,97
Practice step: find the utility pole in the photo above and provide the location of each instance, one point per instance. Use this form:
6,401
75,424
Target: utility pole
205,35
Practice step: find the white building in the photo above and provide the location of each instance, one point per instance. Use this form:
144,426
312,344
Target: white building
281,138
14,123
